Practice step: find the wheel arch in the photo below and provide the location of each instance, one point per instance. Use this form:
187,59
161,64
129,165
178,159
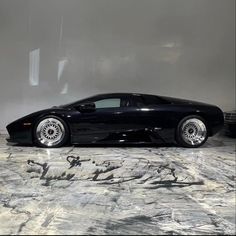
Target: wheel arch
203,115
42,116
178,136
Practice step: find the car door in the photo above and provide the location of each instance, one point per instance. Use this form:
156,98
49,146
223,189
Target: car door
101,125
150,116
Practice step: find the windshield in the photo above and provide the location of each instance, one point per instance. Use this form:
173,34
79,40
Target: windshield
77,102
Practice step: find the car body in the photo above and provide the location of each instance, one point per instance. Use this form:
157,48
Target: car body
119,118
230,123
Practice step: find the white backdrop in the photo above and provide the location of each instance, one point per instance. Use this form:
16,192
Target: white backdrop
56,51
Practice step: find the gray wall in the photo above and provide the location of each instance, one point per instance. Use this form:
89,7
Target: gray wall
56,51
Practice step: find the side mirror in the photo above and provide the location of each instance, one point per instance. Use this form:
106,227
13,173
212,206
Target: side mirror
86,107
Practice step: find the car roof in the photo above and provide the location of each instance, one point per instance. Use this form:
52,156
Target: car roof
123,94
104,95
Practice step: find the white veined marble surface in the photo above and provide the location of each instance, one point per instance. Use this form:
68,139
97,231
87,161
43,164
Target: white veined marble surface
118,190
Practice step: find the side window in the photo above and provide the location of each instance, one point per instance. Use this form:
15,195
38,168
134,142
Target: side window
147,100
138,101
150,100
108,103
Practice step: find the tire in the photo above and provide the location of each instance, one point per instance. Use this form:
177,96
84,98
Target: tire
192,132
51,132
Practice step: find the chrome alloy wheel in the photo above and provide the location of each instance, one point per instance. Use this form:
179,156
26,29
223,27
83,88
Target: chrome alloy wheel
194,131
50,132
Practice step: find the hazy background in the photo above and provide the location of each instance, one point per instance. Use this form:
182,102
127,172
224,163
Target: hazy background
56,51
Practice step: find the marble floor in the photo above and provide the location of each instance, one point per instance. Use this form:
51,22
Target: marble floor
118,190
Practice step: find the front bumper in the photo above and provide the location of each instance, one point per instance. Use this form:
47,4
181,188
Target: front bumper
19,134
20,138
9,140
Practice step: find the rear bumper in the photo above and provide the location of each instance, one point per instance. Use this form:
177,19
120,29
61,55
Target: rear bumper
215,129
216,121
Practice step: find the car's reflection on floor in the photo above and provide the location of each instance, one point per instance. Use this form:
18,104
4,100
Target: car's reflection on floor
118,189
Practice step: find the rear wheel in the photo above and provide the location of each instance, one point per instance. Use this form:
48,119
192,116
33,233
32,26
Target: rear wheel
192,131
51,132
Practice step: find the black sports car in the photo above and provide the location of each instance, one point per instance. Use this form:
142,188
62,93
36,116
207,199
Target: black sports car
120,118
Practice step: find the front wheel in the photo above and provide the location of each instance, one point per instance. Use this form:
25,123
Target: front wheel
51,132
192,132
